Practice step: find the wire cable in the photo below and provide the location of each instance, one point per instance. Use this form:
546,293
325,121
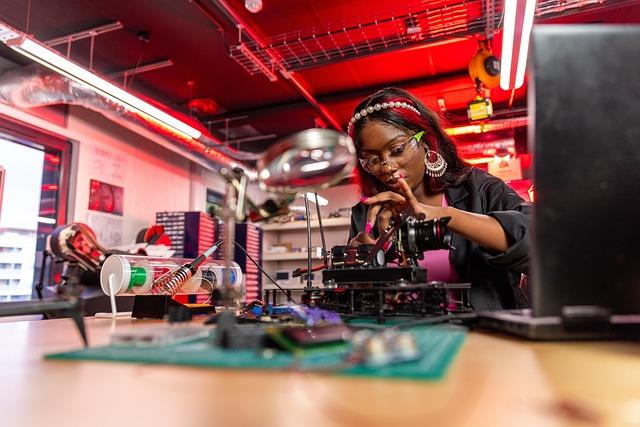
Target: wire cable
289,298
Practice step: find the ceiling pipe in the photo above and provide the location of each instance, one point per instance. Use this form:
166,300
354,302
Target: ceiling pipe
73,84
251,34
33,86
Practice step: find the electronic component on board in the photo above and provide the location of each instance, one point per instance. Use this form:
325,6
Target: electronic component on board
360,283
387,347
366,264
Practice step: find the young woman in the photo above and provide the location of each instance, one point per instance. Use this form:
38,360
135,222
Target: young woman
408,163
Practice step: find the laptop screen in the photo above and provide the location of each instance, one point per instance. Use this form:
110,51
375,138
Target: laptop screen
584,101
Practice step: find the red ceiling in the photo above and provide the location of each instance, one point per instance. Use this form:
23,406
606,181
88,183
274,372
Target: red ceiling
197,39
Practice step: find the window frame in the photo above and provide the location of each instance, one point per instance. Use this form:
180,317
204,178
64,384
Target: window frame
41,139
31,136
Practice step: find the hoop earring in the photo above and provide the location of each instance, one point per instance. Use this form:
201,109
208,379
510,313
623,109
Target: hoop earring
435,169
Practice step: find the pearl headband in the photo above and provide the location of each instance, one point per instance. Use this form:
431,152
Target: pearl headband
377,107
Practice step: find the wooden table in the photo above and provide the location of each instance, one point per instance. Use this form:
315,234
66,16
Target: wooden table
494,381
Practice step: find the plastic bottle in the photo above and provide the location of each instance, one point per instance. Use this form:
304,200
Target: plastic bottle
135,275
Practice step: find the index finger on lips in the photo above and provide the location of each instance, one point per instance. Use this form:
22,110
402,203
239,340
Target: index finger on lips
406,190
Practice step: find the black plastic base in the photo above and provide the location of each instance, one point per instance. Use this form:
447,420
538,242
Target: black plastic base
92,304
381,302
159,306
375,275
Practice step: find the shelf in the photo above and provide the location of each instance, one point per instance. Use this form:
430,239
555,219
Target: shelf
300,225
288,256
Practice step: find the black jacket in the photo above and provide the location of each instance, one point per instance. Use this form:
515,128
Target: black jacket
495,277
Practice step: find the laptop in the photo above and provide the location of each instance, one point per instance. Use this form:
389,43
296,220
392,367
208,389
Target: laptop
584,102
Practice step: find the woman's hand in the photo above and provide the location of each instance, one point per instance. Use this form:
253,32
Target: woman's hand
380,212
384,206
362,238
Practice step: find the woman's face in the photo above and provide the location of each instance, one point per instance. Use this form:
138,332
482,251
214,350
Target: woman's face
386,142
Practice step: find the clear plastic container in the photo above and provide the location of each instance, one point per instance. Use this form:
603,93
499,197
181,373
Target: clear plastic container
134,275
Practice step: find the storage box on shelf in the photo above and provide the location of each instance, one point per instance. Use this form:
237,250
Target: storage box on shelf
294,235
249,236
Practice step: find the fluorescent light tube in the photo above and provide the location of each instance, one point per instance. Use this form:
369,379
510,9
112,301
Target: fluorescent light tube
518,21
60,64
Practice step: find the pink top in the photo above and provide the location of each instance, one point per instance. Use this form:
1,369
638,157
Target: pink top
438,263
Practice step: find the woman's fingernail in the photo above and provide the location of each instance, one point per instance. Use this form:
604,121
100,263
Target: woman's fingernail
363,199
387,245
368,227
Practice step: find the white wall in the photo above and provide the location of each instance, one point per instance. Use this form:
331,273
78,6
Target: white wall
201,179
342,196
154,178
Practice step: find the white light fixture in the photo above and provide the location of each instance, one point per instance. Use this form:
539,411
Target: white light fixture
253,6
313,167
46,220
53,60
265,174
518,21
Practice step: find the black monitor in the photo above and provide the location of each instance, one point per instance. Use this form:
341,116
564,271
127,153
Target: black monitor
584,101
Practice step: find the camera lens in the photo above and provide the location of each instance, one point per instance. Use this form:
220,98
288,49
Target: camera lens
417,235
433,234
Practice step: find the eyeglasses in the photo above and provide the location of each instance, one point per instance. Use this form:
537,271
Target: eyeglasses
400,154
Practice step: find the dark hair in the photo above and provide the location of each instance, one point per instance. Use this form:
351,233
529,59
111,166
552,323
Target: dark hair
434,137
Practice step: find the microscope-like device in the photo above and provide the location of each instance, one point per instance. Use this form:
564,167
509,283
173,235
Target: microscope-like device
368,280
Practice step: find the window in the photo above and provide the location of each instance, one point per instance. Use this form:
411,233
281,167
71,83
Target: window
8,250
34,169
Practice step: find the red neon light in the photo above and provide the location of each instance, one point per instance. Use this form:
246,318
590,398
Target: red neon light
52,158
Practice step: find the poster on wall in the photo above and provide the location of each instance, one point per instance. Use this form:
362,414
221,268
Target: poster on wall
108,228
108,166
105,197
108,170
